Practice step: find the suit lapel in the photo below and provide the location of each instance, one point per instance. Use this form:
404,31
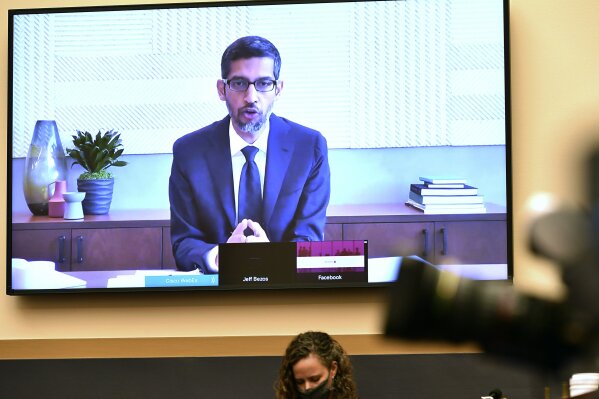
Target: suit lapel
278,158
218,157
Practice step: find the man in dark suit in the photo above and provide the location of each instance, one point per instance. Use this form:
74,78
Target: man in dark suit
211,201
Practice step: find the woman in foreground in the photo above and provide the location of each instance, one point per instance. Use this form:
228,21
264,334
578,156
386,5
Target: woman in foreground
315,366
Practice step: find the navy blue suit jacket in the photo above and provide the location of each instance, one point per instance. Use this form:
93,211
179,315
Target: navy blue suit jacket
296,189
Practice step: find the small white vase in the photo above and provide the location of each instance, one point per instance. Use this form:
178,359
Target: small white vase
73,208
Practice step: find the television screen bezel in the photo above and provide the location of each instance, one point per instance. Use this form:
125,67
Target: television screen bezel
125,7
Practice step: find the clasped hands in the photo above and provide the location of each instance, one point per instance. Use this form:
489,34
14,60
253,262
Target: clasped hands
258,233
238,236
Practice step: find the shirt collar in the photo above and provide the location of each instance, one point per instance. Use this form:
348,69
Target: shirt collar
237,143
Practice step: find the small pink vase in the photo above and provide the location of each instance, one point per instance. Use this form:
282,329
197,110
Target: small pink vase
56,204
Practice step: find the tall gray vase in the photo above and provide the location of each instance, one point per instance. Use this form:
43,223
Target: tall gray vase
45,164
98,195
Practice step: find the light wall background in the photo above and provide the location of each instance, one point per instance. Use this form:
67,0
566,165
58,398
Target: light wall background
555,104
152,72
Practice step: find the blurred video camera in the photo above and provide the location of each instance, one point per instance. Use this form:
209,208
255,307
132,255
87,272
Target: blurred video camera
430,304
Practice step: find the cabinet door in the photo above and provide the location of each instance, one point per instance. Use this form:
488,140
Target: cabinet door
117,249
168,260
471,242
393,239
52,245
333,232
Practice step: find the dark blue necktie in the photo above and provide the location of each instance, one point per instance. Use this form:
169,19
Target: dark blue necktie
250,193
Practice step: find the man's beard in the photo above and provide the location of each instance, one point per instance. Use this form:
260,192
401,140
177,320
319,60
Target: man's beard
252,127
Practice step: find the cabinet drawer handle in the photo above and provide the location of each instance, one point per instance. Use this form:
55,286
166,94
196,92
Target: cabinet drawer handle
425,234
62,240
444,249
80,249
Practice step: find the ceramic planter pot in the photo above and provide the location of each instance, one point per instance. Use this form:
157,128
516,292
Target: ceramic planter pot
98,195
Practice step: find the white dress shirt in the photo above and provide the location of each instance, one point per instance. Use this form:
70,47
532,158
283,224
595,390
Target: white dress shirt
238,159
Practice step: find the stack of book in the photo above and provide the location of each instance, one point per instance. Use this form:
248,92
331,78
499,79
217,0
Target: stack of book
445,195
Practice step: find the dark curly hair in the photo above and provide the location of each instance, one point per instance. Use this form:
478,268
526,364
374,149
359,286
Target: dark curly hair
249,47
328,351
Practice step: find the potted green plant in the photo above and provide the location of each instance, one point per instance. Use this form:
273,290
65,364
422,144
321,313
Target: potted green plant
96,154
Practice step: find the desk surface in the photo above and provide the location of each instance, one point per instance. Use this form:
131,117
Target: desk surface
380,270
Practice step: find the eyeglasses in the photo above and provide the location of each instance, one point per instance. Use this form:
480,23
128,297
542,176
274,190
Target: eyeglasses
241,84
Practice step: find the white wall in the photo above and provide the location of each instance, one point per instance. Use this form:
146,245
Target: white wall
555,87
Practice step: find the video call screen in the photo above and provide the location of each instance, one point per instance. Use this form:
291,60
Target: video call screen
401,90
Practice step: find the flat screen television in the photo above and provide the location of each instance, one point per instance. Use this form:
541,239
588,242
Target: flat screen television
404,92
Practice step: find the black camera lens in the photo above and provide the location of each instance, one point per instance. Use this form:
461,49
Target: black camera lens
429,304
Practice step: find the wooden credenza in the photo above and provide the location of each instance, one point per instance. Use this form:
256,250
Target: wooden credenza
398,230
132,239
140,239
